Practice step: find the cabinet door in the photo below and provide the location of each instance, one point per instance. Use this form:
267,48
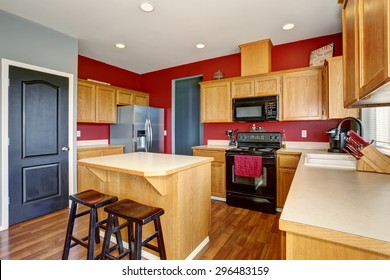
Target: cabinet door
350,51
285,178
124,97
140,98
105,104
374,44
302,95
86,99
218,179
218,170
242,88
336,110
268,86
286,167
216,102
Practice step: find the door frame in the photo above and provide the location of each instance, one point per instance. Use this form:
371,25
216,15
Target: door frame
5,64
173,118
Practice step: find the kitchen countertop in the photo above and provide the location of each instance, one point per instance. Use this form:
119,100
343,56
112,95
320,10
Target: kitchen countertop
347,201
145,164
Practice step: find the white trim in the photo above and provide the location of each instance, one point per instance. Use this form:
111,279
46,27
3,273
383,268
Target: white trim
198,249
218,198
83,143
5,63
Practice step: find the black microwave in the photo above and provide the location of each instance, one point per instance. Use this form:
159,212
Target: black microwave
255,109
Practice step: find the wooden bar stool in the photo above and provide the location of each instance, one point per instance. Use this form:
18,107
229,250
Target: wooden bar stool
93,200
137,214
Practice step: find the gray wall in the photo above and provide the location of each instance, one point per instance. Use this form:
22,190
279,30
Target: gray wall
31,43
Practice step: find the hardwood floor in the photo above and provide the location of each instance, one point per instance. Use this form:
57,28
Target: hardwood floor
236,234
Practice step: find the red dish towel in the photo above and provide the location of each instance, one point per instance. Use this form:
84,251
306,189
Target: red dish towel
248,166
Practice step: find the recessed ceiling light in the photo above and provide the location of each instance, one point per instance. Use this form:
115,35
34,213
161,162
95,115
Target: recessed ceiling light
288,26
200,46
146,7
120,46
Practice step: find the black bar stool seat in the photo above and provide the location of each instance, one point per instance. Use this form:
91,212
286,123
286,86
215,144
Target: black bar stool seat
134,214
93,200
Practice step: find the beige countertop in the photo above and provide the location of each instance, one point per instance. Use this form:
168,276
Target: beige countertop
145,164
213,147
343,200
93,147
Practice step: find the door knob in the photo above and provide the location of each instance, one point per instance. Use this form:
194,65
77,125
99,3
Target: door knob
65,149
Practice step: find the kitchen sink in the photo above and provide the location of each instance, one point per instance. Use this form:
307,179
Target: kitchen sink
342,161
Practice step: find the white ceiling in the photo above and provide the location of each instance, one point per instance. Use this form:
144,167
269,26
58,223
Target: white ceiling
167,36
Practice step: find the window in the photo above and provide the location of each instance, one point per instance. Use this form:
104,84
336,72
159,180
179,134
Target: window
376,123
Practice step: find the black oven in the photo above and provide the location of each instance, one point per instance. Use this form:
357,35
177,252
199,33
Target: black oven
255,193
255,109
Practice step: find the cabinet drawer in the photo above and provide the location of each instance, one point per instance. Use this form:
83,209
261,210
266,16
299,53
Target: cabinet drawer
288,161
218,156
89,154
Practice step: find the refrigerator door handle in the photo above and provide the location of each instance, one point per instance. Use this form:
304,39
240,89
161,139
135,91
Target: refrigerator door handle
147,135
150,135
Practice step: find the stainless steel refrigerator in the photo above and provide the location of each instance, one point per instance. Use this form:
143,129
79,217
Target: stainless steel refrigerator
139,128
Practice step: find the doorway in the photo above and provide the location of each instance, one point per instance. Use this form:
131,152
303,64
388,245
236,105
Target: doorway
187,130
58,172
38,146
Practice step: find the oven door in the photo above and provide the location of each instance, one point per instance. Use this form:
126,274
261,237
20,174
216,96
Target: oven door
265,185
252,193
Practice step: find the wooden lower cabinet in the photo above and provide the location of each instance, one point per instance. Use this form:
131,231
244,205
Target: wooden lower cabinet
287,163
218,170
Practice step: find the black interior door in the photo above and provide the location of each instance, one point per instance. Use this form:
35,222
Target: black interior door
38,144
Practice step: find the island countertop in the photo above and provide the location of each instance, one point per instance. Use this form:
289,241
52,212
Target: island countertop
145,164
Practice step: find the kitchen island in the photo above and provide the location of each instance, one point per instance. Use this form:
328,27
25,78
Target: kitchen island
181,185
334,213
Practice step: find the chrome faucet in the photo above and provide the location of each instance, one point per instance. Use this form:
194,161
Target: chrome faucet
338,129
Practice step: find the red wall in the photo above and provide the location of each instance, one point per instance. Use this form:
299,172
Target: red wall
286,56
96,70
159,85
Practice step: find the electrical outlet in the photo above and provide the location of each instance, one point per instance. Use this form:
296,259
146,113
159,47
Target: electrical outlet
165,133
78,133
304,133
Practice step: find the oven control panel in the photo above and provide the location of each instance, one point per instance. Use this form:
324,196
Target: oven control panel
262,137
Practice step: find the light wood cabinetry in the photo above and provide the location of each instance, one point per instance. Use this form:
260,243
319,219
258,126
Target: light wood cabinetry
105,104
302,96
131,97
366,28
88,152
218,170
95,103
268,85
335,101
86,102
216,101
287,163
140,98
243,88
256,57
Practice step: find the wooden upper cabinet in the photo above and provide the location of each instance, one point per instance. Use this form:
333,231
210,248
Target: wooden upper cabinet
105,104
365,49
215,101
335,101
268,85
374,44
302,97
140,98
350,51
243,88
256,57
86,100
96,103
124,97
